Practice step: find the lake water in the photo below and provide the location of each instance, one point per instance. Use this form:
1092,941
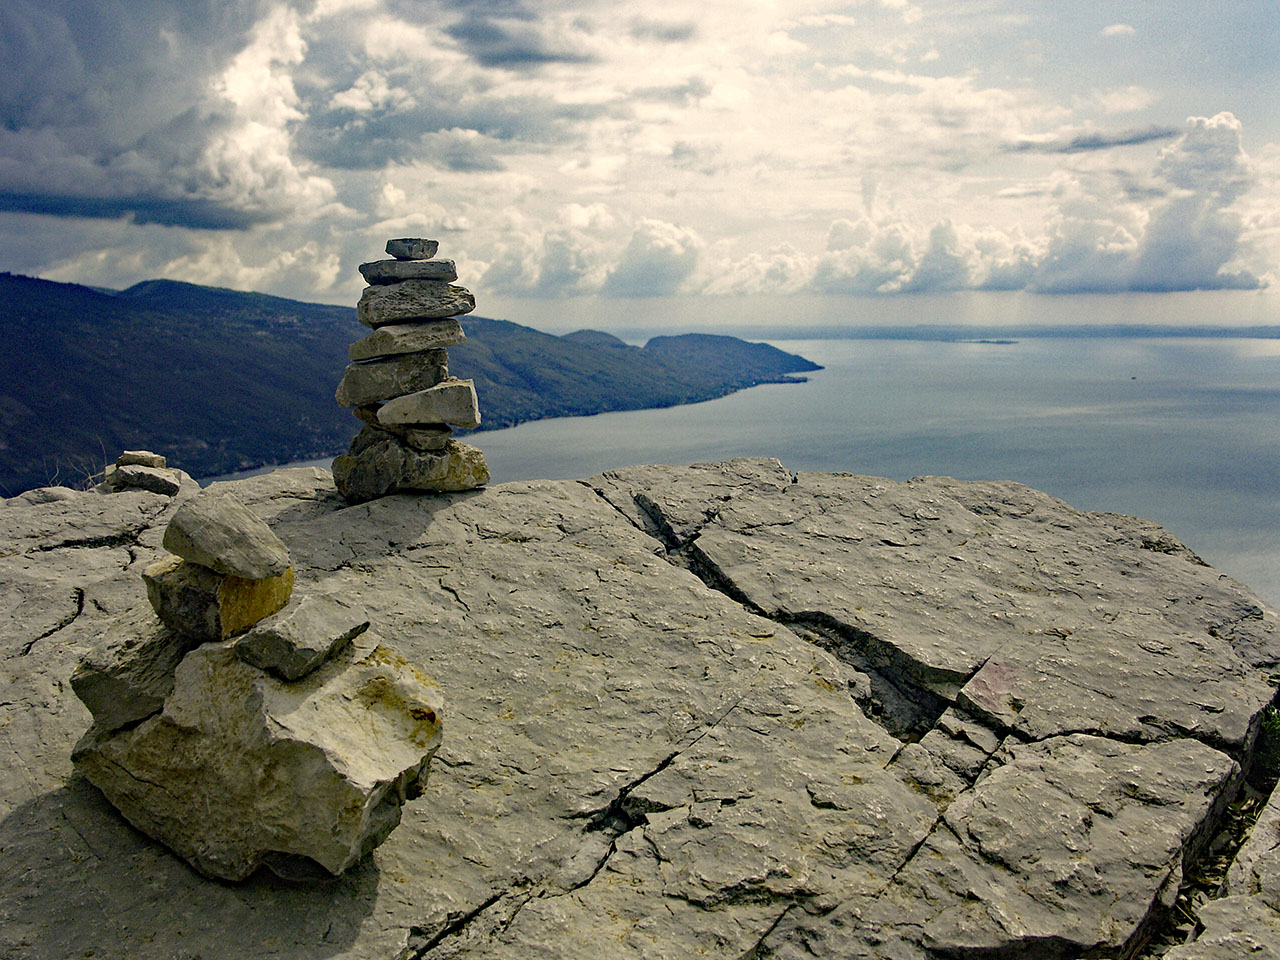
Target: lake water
1182,431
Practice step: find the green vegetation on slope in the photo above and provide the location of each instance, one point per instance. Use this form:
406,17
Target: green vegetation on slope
220,380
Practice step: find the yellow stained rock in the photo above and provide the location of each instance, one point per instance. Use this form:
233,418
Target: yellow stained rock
199,603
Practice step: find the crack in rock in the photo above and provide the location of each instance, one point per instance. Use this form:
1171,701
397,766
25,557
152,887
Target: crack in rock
78,596
455,925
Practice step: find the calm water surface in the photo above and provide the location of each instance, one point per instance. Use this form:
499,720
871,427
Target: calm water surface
1185,432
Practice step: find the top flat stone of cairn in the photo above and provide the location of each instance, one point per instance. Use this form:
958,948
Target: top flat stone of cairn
217,531
141,458
412,248
393,271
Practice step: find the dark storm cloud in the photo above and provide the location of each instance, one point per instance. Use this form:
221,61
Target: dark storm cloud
663,31
105,108
342,139
198,214
510,36
1096,140
691,91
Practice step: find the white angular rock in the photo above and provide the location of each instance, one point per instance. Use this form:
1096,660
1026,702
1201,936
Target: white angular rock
242,769
398,338
303,635
375,381
451,401
393,271
412,300
220,533
412,248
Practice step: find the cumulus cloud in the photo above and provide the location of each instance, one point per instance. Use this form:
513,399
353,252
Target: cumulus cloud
1194,234
658,258
175,114
781,270
1117,30
1179,231
837,146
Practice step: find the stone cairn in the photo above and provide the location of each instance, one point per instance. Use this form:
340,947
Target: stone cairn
398,381
141,470
248,726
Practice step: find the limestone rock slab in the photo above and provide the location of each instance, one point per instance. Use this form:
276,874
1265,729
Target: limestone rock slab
1235,927
204,605
411,300
634,758
219,532
396,338
412,248
1246,922
375,381
393,271
313,771
1072,847
976,593
452,401
301,636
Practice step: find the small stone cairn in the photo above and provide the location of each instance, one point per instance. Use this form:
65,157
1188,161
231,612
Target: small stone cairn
398,381
248,727
141,470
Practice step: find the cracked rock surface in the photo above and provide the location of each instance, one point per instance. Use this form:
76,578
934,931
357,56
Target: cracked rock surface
694,711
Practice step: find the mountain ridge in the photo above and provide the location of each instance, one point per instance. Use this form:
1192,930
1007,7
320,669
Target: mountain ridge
225,380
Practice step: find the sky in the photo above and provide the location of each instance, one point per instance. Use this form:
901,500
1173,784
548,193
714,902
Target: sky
595,157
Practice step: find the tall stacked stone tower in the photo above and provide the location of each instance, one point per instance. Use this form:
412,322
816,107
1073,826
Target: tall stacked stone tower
398,381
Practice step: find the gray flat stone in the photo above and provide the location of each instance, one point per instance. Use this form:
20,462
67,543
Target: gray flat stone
376,381
381,465
451,401
128,678
1234,928
302,636
164,481
977,593
423,438
219,532
407,338
412,300
393,271
412,248
141,458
